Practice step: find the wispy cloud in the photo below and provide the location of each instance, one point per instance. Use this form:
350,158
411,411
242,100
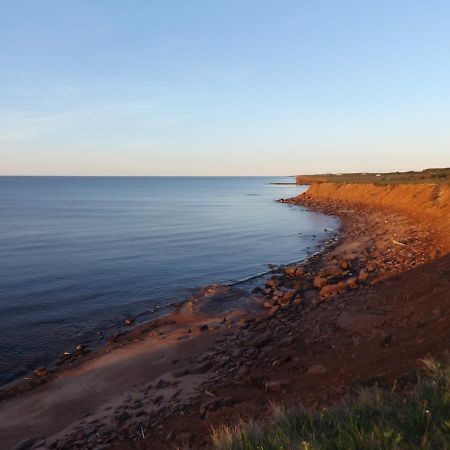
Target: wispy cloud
23,125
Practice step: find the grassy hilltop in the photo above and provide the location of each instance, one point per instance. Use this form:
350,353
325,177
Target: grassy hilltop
425,176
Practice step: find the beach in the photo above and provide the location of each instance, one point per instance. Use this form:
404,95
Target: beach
371,303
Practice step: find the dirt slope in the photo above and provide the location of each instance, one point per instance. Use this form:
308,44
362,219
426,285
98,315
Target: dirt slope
428,204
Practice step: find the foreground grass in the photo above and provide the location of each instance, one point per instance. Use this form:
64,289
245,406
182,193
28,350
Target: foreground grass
375,419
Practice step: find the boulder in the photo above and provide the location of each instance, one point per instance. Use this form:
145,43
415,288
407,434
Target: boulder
272,283
320,282
273,310
289,295
331,290
363,275
352,283
317,369
275,385
40,372
290,270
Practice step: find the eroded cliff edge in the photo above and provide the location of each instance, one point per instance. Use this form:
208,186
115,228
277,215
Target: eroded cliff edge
428,204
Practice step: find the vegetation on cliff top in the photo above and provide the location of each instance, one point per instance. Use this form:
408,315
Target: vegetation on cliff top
424,176
374,419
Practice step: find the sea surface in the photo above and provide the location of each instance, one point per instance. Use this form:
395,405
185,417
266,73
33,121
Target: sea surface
81,254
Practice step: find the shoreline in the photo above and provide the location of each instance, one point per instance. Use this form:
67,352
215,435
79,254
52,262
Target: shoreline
199,385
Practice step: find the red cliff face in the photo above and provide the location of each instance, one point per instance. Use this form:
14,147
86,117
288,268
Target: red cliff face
428,204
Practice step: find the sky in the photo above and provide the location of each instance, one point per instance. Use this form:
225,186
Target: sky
234,87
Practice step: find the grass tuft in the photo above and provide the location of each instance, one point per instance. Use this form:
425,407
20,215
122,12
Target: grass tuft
375,419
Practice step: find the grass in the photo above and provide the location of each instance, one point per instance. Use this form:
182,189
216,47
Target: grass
374,419
434,176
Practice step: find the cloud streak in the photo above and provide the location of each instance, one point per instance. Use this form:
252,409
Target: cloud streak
21,125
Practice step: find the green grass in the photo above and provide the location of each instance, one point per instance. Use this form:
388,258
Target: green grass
425,176
374,419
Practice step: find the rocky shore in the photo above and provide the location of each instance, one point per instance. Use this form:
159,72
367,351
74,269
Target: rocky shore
361,311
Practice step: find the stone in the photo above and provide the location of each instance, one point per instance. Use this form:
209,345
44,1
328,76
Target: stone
273,310
203,327
331,290
275,385
363,275
40,372
298,300
129,321
300,272
272,283
352,283
268,304
289,295
320,282
290,270
317,369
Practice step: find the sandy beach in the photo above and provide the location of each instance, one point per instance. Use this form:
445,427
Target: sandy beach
368,306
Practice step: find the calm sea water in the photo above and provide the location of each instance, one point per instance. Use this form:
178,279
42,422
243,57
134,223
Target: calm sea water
81,254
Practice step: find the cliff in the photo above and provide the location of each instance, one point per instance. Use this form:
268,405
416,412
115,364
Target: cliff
428,204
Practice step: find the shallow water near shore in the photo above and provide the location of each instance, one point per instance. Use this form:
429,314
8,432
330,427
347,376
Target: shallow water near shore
81,254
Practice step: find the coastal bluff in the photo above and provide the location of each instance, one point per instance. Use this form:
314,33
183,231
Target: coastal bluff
428,204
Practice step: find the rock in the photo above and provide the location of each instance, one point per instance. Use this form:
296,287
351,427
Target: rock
332,290
129,321
24,445
290,270
317,369
344,264
203,327
300,272
273,310
275,385
81,349
272,283
298,300
352,283
289,295
363,275
40,372
268,304
283,302
330,271
320,282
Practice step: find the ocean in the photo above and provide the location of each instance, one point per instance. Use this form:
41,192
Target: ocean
81,254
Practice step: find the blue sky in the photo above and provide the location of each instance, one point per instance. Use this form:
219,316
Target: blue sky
107,87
